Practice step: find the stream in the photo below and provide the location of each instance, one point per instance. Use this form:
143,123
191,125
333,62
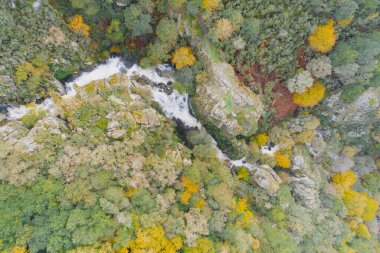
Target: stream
174,105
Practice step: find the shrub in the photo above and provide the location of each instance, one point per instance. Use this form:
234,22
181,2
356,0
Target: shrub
102,123
323,38
31,117
351,93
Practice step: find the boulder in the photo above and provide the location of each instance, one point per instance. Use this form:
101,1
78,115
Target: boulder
266,178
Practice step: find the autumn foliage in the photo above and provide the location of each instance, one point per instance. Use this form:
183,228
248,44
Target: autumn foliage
323,38
19,249
154,240
246,214
345,179
360,229
183,57
77,25
190,188
262,139
311,96
282,160
210,5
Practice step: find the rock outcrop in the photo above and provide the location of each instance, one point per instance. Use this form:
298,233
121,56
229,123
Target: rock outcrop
356,121
226,105
305,187
266,178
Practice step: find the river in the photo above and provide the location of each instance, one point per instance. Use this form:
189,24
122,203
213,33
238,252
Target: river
174,105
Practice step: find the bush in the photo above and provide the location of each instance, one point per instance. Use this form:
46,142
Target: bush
31,117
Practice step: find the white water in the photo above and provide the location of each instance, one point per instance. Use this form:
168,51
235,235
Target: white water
15,113
175,105
103,71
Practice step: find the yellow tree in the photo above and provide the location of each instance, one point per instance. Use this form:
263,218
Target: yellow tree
345,179
204,245
19,249
190,188
183,57
153,240
323,38
282,160
262,139
77,25
311,96
210,5
247,215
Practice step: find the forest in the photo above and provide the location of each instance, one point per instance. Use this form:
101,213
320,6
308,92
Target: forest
189,126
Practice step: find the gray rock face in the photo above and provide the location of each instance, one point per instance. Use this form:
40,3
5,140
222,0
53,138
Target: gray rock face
15,134
357,120
304,187
266,178
364,165
342,163
221,101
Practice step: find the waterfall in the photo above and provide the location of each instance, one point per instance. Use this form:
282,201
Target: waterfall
174,105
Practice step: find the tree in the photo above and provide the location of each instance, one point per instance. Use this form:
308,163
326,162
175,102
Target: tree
138,19
223,29
167,36
183,57
210,5
360,204
311,96
345,179
142,25
19,249
204,245
323,38
143,200
153,240
189,188
167,31
282,160
78,26
114,32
